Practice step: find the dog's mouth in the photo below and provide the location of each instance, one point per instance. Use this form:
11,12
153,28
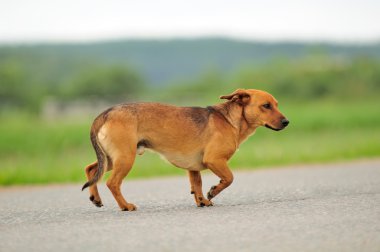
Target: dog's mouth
269,127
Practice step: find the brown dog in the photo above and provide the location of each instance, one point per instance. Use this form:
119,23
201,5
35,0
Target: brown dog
192,138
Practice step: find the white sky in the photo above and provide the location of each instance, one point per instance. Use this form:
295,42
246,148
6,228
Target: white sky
89,20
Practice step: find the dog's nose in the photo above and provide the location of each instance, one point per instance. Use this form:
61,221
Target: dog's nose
285,122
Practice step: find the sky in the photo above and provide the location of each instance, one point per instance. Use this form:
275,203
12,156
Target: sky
30,21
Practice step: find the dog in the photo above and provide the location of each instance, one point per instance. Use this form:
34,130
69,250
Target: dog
191,138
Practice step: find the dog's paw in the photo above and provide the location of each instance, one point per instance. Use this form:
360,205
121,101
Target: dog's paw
129,207
204,202
96,202
210,193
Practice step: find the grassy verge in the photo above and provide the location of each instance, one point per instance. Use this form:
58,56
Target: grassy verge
33,151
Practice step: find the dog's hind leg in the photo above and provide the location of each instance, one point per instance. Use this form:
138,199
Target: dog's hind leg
120,144
196,189
121,168
94,194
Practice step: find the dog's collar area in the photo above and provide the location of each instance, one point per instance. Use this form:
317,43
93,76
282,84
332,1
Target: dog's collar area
210,109
269,127
218,112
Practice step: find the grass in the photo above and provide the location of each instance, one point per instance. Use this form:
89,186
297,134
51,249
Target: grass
36,151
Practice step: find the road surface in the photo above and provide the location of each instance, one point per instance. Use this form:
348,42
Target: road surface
314,208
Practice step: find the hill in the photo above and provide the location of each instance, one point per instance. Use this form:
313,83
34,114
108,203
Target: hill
165,61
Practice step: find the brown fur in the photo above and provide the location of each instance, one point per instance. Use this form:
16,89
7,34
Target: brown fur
191,138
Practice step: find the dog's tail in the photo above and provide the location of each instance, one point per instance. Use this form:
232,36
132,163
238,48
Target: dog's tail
101,156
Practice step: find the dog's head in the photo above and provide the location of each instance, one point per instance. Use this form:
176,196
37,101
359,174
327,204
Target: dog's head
260,108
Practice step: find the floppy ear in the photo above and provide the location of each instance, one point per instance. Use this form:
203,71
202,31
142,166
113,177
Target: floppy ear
240,96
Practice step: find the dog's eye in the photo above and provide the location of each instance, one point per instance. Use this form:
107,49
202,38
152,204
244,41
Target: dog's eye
267,106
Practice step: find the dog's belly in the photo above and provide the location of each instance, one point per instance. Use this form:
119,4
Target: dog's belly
191,162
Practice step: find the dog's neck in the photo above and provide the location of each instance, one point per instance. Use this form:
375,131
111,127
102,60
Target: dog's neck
233,113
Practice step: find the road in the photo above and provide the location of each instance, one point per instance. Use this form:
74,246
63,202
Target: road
312,208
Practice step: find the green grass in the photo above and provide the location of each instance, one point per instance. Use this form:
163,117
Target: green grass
35,151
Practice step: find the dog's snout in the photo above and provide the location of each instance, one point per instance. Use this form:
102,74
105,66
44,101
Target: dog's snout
285,122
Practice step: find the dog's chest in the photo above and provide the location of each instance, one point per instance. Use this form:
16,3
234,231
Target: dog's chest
190,161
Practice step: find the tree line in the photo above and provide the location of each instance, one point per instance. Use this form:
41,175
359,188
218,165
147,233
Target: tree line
25,86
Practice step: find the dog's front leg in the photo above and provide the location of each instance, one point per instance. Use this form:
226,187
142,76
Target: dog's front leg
220,168
196,189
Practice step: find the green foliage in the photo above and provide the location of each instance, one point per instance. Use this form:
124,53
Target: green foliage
105,83
12,83
312,78
203,69
317,77
16,90
207,86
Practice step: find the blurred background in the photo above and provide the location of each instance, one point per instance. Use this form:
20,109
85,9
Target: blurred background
63,62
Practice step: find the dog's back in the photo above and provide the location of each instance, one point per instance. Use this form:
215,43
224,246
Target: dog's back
171,123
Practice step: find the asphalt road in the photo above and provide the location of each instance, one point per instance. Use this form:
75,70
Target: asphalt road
314,208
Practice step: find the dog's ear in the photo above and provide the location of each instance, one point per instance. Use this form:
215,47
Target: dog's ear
240,96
